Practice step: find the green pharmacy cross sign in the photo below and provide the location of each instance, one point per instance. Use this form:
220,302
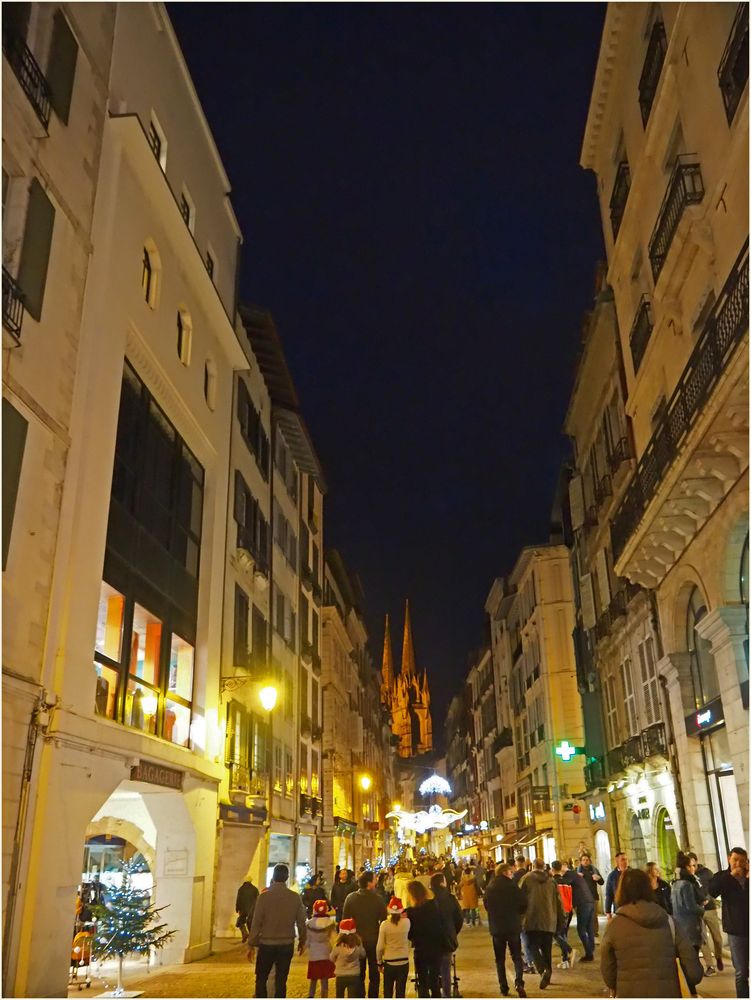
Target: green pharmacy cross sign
565,751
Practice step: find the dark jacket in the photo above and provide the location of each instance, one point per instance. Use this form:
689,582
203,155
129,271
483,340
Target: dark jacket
580,894
734,896
543,910
637,957
662,895
505,903
687,910
245,903
426,930
451,915
310,894
340,891
519,874
704,876
367,908
588,875
610,886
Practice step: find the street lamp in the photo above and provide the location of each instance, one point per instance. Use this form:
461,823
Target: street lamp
268,696
365,782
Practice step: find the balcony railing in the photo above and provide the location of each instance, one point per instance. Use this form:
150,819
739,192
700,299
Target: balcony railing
603,490
650,74
733,71
29,74
239,778
621,453
641,331
685,188
615,760
619,197
633,751
503,739
594,773
654,741
12,305
246,540
715,347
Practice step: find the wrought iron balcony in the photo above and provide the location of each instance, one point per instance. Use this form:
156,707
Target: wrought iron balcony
641,331
503,739
239,777
712,352
733,71
603,490
619,197
594,773
29,74
685,188
12,305
654,741
306,804
650,74
620,453
633,751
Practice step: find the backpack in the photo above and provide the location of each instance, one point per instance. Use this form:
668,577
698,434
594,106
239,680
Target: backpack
566,894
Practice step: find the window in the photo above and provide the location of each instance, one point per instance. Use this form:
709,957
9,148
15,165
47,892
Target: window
284,536
733,70
158,143
252,527
237,747
35,249
611,712
15,428
285,466
209,383
259,639
649,680
315,781
210,264
144,670
251,428
278,773
187,209
61,66
627,682
289,777
184,336
150,274
240,646
703,669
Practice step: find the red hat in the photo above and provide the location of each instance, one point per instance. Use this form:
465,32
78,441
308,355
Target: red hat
395,905
347,926
321,908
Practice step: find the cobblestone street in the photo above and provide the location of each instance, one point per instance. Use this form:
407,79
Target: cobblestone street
227,974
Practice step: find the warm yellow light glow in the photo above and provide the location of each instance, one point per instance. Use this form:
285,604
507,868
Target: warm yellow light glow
149,704
396,807
365,782
268,697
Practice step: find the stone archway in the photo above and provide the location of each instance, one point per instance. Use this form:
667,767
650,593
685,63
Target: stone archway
665,841
115,827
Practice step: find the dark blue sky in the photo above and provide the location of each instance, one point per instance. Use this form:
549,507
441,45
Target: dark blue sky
406,178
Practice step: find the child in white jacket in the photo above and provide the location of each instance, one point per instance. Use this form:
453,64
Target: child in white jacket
392,950
321,928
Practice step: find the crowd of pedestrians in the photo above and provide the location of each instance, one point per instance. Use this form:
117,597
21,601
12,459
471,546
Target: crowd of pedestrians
363,932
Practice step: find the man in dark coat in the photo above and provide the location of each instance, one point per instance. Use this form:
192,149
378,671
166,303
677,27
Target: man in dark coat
368,910
505,902
453,921
731,885
543,916
621,864
343,886
245,903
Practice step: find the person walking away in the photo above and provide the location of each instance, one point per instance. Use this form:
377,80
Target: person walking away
451,915
504,902
660,889
312,892
341,888
731,885
640,945
392,949
426,935
277,913
321,927
711,948
542,917
469,896
621,865
685,896
347,955
521,868
558,871
367,909
245,903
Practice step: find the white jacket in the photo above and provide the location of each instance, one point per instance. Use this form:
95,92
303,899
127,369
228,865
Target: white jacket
393,941
320,933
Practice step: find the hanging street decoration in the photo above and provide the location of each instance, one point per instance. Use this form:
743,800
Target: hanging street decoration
435,785
434,819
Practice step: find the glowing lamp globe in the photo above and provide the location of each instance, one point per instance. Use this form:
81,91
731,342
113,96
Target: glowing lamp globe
435,785
365,782
268,697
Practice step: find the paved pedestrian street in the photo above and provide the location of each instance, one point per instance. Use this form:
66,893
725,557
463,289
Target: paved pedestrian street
227,973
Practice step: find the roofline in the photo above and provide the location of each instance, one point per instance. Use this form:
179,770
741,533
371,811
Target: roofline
601,85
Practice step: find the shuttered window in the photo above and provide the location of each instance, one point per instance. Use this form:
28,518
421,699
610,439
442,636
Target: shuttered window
61,67
35,252
14,442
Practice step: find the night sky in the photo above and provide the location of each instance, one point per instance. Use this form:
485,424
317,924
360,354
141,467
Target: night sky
406,179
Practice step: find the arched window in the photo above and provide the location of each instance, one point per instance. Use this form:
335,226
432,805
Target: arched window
150,273
743,582
184,336
209,383
703,669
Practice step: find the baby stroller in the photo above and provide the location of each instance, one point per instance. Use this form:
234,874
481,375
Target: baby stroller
80,957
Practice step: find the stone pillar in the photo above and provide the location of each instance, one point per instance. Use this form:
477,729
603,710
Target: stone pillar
699,835
725,629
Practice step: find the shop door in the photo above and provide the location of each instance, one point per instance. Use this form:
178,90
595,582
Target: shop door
667,844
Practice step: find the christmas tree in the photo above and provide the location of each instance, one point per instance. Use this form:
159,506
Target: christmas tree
126,924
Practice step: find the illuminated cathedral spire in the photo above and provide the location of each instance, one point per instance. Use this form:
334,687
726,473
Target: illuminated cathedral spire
406,695
387,669
408,650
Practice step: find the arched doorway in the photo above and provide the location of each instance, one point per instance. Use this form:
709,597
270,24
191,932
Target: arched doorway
603,856
667,842
637,857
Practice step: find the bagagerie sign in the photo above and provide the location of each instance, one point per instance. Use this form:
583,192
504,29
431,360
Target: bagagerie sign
155,774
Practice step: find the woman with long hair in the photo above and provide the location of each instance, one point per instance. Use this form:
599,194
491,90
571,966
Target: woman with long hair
428,939
687,898
641,944
660,888
392,950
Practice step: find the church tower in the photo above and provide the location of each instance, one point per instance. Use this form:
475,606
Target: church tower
407,695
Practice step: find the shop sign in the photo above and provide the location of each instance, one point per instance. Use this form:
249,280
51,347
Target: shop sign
643,814
596,811
155,774
706,717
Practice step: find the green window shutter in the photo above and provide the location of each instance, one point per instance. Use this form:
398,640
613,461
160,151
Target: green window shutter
14,441
35,252
61,67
